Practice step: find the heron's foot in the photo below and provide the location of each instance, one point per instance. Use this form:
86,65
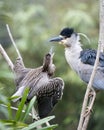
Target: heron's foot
88,111
36,118
91,93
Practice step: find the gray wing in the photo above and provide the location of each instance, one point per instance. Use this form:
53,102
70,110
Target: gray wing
85,73
88,56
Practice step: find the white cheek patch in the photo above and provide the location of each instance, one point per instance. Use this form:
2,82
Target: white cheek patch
64,40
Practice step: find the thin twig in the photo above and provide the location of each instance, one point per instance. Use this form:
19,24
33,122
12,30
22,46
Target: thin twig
84,127
6,57
14,108
13,42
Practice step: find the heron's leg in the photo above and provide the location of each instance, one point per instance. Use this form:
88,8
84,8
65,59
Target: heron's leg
34,114
91,93
35,117
91,102
47,124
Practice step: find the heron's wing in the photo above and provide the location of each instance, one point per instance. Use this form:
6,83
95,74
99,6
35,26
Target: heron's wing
30,79
88,57
45,106
86,71
49,95
20,70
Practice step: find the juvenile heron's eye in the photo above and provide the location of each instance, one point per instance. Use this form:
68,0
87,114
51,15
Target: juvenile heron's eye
48,56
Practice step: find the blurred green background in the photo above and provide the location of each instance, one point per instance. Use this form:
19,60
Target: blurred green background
32,23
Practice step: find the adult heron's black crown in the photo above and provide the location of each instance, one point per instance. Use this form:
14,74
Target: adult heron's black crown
67,32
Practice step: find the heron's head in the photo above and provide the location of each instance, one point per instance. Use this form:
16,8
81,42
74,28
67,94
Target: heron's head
48,65
67,37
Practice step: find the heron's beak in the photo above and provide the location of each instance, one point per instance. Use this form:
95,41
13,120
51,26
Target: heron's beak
51,52
56,39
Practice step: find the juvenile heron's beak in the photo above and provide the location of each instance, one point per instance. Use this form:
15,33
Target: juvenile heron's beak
56,39
51,52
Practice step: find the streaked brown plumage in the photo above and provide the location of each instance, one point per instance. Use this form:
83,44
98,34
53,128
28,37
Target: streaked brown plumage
40,82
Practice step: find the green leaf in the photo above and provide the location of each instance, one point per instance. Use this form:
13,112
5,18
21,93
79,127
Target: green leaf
8,122
49,127
9,110
13,97
13,123
28,109
21,105
2,126
39,122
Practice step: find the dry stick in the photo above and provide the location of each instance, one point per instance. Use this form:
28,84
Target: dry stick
14,108
87,118
12,40
101,32
6,57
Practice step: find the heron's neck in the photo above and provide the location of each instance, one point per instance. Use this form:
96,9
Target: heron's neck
72,55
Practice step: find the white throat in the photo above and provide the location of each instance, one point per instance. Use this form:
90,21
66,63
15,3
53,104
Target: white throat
72,55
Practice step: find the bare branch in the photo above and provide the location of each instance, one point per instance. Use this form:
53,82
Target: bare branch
87,118
14,108
101,24
14,44
6,57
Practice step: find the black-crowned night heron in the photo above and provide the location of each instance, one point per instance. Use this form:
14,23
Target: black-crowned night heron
81,61
41,84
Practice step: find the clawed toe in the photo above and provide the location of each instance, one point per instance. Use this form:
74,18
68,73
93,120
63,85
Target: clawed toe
88,111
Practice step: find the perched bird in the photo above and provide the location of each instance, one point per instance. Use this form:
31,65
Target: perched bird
81,61
48,90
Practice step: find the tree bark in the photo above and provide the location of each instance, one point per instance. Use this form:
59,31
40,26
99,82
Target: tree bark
101,24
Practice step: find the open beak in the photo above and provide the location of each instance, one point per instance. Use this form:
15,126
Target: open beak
56,39
51,52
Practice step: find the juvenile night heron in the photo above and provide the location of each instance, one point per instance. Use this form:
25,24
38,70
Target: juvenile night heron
81,61
41,84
